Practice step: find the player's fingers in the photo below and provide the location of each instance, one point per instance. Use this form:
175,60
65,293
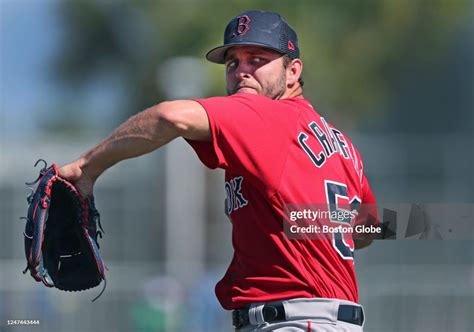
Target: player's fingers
71,172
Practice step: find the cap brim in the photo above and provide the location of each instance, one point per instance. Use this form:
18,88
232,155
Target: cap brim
217,54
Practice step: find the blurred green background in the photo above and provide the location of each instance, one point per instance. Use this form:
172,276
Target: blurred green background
395,75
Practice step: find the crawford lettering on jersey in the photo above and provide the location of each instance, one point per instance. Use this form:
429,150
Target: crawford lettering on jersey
331,141
234,198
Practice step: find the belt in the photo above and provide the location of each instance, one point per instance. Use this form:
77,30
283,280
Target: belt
276,312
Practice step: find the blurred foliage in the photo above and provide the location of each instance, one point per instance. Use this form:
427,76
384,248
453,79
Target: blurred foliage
353,51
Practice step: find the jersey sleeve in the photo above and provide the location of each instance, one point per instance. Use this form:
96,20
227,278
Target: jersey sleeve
247,134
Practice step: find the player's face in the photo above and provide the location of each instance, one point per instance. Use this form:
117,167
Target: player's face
255,70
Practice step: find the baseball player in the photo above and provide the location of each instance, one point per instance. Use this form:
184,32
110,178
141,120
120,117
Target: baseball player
276,150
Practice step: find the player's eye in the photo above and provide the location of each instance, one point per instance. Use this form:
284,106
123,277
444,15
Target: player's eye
231,65
257,60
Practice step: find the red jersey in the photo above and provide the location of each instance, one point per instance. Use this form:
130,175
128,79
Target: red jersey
279,152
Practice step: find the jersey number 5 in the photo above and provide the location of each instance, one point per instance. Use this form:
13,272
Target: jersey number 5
334,192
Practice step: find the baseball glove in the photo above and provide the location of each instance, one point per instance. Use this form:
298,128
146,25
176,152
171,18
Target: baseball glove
61,235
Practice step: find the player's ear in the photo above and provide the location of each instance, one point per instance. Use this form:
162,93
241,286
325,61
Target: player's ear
293,72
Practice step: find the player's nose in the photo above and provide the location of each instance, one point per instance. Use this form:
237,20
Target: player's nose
244,70
242,75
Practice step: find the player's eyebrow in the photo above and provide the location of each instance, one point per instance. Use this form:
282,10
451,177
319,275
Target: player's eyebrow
231,53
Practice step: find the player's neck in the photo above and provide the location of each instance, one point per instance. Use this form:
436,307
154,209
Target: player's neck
294,92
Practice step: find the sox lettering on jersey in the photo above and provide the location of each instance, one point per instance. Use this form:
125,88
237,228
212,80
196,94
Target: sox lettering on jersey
234,198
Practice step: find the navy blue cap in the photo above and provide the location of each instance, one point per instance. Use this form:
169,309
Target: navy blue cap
257,28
